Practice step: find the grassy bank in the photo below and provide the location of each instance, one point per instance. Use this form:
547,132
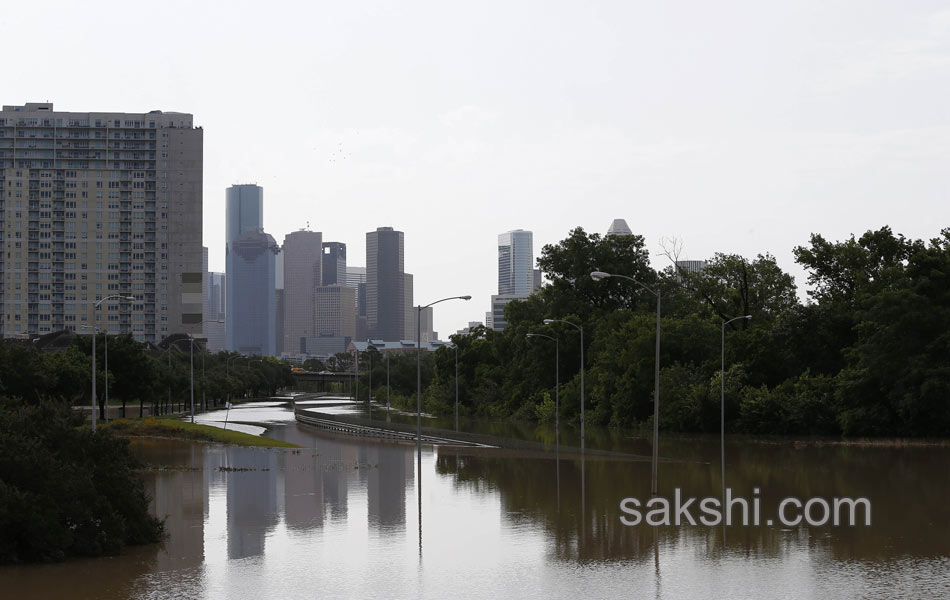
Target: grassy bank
168,428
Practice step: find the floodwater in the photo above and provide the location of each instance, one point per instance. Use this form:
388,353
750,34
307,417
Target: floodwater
340,518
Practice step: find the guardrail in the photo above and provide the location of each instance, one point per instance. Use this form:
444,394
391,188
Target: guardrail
336,424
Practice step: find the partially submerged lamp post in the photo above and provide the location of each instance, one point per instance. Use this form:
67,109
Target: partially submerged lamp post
98,304
599,275
581,329
557,384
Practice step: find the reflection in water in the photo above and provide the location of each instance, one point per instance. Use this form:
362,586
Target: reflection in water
252,503
336,518
304,497
387,480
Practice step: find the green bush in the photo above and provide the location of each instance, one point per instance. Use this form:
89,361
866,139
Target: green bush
65,491
801,405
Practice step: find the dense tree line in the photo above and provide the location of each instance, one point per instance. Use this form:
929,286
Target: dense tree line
868,353
138,375
66,491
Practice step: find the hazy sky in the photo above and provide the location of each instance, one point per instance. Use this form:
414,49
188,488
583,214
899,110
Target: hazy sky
733,126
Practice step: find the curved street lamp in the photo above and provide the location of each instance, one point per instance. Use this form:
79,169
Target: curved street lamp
557,385
599,275
191,348
98,304
204,381
419,371
581,329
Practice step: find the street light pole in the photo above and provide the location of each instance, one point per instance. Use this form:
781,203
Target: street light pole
456,387
105,415
191,348
168,406
722,408
419,374
557,385
94,313
227,371
581,329
597,276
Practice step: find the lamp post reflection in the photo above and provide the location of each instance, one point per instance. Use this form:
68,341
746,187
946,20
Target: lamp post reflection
419,404
722,421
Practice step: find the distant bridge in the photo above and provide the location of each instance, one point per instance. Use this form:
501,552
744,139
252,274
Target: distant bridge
323,377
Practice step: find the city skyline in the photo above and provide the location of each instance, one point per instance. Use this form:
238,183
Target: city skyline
746,137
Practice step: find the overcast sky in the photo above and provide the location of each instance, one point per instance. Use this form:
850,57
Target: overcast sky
733,126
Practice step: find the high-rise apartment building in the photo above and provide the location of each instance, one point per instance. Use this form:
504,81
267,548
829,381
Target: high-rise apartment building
385,284
334,263
515,263
251,274
303,271
97,204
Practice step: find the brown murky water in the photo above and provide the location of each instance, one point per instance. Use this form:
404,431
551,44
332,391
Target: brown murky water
341,519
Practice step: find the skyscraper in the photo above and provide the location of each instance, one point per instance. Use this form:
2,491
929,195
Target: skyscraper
356,279
515,263
516,273
619,227
334,312
426,329
213,293
216,307
245,209
252,311
96,204
251,276
334,263
385,284
409,330
279,304
303,271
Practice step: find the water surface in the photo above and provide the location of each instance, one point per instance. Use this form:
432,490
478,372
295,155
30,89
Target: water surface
341,518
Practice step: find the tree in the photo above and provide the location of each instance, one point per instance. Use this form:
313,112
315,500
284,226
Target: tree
64,490
730,286
897,378
568,265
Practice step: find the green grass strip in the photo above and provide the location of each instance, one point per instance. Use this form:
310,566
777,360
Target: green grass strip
167,428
